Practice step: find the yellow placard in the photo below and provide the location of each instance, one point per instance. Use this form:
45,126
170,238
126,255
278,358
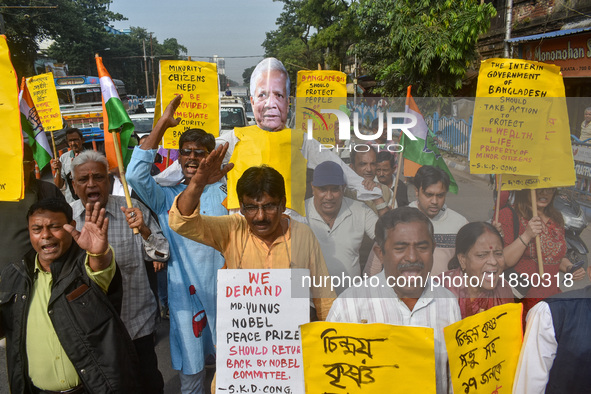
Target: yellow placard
44,95
11,150
558,167
317,90
368,358
483,350
200,107
510,124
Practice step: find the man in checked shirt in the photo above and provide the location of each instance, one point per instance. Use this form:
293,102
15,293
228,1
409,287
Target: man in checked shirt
138,312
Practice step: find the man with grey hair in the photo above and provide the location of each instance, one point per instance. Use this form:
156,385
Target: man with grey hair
270,142
91,183
586,125
403,294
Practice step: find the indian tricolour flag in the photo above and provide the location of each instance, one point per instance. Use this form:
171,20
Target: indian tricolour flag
115,118
422,151
31,125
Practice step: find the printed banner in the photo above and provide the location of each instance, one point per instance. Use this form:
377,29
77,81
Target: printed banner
376,358
483,350
44,95
200,107
11,149
258,337
317,90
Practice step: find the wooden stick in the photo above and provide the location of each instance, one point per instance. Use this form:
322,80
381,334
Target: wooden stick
55,156
498,178
534,210
122,173
398,171
167,158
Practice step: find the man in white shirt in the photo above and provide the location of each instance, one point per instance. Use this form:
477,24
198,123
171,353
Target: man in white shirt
338,222
404,295
432,185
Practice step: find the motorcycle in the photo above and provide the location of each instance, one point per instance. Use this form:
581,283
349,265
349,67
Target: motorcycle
574,224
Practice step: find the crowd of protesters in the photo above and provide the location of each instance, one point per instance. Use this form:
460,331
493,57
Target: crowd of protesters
79,312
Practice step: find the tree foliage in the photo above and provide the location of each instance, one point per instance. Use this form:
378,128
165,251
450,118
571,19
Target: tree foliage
425,43
312,33
78,29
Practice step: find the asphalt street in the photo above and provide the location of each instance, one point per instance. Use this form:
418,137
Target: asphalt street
474,201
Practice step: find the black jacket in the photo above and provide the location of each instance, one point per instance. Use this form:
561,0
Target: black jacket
85,320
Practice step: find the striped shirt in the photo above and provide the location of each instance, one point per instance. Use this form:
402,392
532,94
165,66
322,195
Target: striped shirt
138,310
435,308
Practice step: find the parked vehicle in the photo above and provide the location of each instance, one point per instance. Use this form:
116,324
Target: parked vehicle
150,105
574,224
232,113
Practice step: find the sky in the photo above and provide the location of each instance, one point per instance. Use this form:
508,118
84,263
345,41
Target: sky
221,27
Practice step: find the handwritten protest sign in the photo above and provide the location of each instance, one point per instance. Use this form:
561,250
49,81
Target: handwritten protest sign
557,167
258,338
198,83
483,350
11,149
509,126
317,90
368,358
44,95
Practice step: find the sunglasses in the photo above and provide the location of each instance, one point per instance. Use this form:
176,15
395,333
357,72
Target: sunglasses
197,152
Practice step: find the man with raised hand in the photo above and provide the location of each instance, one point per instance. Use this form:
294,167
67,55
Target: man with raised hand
191,265
63,167
263,238
63,331
404,295
91,183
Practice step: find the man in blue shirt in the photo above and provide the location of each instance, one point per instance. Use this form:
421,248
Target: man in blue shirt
192,267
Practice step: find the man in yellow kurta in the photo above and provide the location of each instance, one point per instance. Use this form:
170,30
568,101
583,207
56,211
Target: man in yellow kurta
270,143
264,238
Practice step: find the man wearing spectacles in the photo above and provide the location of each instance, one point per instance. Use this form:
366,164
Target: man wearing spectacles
191,264
264,238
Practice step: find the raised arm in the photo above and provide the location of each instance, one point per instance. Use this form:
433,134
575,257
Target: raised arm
166,121
210,171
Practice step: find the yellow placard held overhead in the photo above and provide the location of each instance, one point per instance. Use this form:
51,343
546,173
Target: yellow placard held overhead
483,350
368,358
198,83
44,95
11,149
317,90
510,123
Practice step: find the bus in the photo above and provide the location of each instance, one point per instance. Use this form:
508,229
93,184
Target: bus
80,100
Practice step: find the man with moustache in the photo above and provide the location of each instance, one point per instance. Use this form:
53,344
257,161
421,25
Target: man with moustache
338,222
404,295
385,168
191,265
270,143
262,237
91,183
59,308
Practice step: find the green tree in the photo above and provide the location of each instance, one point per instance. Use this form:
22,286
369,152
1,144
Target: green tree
427,43
312,33
79,25
246,75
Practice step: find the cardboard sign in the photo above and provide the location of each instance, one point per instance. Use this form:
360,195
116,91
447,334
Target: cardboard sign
258,337
200,107
520,125
12,187
44,95
317,90
483,350
368,358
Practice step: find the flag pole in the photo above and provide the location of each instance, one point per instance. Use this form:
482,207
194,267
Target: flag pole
398,171
534,210
499,179
122,173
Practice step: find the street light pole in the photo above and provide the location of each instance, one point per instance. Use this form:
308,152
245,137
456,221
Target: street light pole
146,70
